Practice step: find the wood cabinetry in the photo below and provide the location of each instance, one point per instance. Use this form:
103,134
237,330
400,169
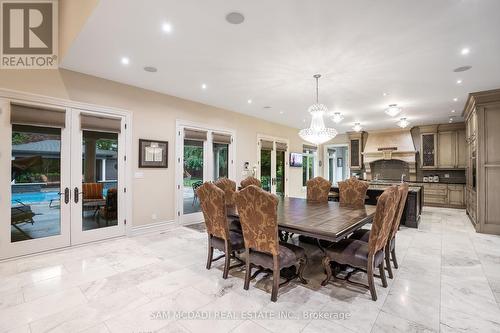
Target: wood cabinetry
444,195
456,195
356,148
443,146
482,117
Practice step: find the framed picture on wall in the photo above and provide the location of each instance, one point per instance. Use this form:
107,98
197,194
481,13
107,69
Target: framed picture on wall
340,162
153,154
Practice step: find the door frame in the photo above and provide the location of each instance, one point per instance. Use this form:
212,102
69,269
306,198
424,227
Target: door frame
274,139
13,96
326,167
180,125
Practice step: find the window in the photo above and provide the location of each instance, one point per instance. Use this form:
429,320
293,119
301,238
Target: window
221,165
309,160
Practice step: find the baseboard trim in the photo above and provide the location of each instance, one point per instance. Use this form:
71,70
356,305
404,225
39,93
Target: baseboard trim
152,227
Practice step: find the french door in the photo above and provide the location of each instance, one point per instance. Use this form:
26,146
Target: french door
45,179
273,164
203,154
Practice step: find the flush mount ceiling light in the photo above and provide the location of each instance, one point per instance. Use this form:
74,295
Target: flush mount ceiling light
393,110
357,127
455,99
465,51
166,27
462,69
204,86
317,133
337,117
459,81
249,101
150,69
403,123
235,18
125,61
452,111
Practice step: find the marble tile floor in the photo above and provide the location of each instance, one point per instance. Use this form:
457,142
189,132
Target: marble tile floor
448,281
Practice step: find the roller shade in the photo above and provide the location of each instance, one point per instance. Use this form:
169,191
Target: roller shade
198,135
310,148
281,146
100,123
266,145
221,138
28,115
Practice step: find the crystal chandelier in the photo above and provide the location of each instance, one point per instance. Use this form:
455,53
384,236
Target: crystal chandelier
317,133
337,117
403,123
357,127
393,110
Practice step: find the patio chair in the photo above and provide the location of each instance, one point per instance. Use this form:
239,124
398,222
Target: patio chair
92,196
110,210
21,214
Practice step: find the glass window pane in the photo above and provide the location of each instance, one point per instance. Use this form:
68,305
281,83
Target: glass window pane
193,175
100,180
280,173
221,163
36,182
265,169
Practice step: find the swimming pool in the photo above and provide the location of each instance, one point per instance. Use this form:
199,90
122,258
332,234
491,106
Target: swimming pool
34,197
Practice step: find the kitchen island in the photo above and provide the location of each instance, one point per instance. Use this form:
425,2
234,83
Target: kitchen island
413,206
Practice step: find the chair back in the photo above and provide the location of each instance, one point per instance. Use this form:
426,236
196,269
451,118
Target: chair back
258,217
213,207
229,188
250,181
387,205
112,202
403,192
352,192
318,189
92,191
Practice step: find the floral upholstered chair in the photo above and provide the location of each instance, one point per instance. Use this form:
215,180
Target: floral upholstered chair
390,250
258,216
318,189
366,256
352,192
250,181
229,188
220,237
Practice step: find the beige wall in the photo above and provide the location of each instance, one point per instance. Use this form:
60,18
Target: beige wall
154,117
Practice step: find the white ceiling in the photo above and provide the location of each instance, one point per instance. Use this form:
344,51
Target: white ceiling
362,48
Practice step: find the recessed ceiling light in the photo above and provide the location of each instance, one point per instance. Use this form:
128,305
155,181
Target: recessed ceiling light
235,18
465,51
385,94
125,61
281,112
459,81
203,86
166,27
455,99
462,69
451,119
249,101
150,69
452,111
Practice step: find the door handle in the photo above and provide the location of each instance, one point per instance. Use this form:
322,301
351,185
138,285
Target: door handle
77,193
66,195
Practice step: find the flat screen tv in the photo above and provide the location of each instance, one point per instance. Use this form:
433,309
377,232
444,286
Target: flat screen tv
296,160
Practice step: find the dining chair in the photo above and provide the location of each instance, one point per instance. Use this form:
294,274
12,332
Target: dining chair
318,189
229,188
352,192
366,256
258,216
390,250
220,237
250,181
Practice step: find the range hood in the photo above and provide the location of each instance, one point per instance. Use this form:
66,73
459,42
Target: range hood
390,145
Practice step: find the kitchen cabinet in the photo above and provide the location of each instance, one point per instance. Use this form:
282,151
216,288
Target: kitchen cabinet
444,195
447,148
461,149
428,144
356,149
443,146
456,195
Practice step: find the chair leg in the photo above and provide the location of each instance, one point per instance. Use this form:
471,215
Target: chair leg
382,274
328,270
302,266
394,260
371,283
210,253
248,270
388,262
276,280
227,259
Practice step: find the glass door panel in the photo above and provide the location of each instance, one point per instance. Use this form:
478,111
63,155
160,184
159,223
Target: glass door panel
192,174
280,172
221,163
265,169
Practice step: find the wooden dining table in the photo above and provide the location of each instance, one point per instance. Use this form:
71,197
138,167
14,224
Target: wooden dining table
328,221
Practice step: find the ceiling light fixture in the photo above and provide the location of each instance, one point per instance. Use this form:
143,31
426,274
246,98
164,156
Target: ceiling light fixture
357,127
204,86
166,27
452,111
455,99
385,94
150,69
235,18
451,119
465,51
337,117
459,81
403,123
317,133
393,110
249,101
125,61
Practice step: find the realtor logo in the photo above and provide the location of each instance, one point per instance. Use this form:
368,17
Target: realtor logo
29,34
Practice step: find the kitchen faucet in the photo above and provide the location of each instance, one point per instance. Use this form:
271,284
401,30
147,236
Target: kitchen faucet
403,178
